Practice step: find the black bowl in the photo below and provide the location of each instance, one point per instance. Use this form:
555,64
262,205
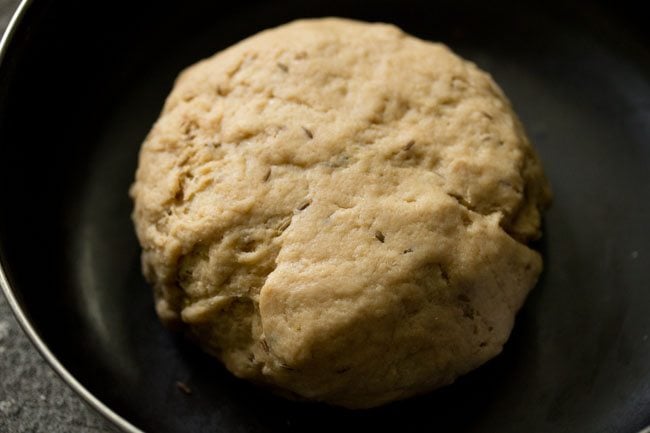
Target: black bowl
82,82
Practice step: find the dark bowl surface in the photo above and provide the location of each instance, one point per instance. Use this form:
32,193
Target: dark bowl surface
82,82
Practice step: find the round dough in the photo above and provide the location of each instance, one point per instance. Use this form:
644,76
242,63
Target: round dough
340,210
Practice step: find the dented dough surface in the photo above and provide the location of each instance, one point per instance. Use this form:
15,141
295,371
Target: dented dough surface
340,210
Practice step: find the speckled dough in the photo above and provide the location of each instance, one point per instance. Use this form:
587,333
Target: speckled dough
340,210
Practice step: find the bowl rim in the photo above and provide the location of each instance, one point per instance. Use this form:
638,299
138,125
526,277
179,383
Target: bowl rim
89,398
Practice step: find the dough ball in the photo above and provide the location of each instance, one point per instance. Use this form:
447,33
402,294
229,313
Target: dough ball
341,211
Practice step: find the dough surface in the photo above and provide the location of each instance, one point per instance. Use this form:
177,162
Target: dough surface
341,211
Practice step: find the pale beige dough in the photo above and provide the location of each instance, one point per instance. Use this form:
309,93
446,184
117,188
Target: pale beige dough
341,211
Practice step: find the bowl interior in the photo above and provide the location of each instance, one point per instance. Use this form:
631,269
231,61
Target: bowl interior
82,83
